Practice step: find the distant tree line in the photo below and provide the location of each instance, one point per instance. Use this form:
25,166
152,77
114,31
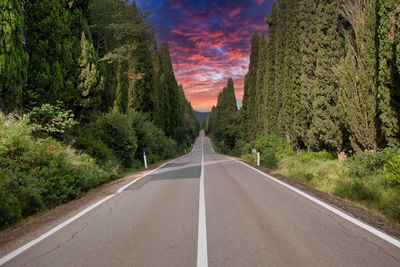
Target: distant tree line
327,77
93,57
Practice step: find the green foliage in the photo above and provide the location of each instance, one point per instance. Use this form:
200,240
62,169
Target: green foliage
117,133
392,168
37,174
224,120
51,48
151,139
356,190
322,155
272,148
367,163
388,81
51,119
90,83
248,111
13,58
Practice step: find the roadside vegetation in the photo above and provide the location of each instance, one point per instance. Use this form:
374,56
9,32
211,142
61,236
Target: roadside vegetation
369,178
85,90
324,79
37,172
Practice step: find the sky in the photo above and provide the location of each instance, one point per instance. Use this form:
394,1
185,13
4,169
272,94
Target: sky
209,42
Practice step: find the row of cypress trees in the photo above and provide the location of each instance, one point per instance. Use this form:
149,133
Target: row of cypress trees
327,76
223,121
95,57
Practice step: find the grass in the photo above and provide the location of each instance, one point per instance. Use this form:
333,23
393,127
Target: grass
367,179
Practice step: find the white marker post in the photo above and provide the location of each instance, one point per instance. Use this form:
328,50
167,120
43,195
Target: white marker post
258,157
145,160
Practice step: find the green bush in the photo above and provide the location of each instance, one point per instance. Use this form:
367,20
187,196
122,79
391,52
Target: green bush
51,119
151,139
392,169
272,148
117,133
368,162
322,155
37,174
87,139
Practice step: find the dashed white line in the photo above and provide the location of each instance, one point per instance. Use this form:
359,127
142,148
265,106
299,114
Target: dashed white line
202,258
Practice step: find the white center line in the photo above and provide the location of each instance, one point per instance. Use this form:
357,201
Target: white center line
202,258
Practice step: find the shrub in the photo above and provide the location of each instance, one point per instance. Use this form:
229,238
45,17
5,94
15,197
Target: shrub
87,139
272,148
392,169
151,139
51,119
368,162
36,174
117,134
322,155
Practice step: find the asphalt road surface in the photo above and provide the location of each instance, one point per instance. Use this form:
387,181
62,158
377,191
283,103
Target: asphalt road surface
247,220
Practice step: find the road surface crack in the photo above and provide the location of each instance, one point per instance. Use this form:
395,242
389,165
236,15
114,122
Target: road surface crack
58,246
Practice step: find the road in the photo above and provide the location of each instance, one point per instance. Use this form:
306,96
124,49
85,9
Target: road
247,220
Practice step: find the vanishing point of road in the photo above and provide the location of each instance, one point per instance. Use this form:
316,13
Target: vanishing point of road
207,209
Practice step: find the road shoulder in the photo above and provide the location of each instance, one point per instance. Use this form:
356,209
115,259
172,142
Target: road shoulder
34,226
367,216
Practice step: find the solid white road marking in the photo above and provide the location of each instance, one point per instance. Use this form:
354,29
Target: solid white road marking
30,244
364,226
52,231
202,258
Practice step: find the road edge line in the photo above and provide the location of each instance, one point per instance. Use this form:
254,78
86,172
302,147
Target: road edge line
30,244
33,242
202,258
341,214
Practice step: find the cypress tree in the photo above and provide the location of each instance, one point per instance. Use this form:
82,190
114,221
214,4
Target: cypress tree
90,83
50,43
271,96
224,120
13,58
307,38
141,95
388,76
259,99
291,73
173,116
280,45
248,111
358,81
325,126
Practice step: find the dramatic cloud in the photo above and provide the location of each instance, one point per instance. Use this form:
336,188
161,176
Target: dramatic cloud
209,42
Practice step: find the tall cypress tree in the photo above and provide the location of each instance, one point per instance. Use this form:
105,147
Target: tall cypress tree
271,96
248,111
280,45
291,73
49,43
307,38
141,95
358,81
325,126
260,92
173,116
388,76
13,58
